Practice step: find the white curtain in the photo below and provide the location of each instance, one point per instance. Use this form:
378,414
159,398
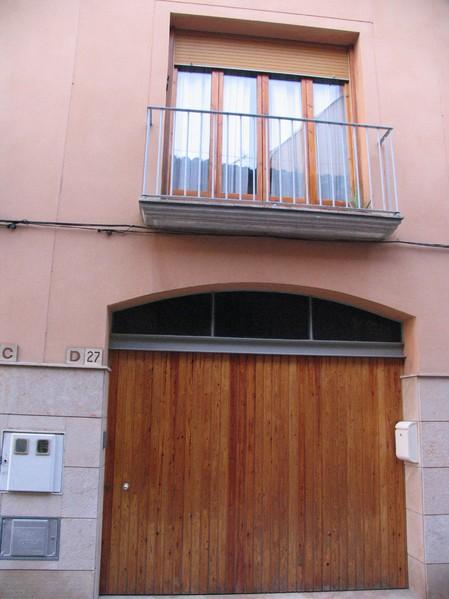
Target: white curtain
286,140
239,149
191,133
331,143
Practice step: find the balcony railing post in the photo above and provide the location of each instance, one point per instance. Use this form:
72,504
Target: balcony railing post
368,160
331,161
281,197
186,157
240,158
254,121
214,125
393,169
267,160
147,146
359,202
381,169
227,157
306,164
172,157
200,157
293,161
345,165
159,153
318,167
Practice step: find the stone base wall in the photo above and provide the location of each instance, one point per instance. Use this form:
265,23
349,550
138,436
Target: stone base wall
72,401
426,401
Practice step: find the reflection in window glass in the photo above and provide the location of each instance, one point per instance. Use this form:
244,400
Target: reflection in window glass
331,143
239,149
191,133
286,140
252,314
333,321
186,315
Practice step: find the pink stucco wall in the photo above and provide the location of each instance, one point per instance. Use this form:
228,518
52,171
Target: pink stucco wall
77,76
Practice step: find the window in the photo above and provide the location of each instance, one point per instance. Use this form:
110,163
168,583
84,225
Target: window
220,148
256,315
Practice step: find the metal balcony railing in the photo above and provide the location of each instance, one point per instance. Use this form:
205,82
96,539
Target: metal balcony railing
255,159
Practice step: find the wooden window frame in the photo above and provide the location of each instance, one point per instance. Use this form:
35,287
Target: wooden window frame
262,82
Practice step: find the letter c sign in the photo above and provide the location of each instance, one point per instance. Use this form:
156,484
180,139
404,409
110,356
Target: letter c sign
8,352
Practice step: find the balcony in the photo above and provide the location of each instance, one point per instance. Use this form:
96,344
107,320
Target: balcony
251,174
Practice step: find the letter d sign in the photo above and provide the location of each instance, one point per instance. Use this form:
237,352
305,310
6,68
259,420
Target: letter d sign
74,355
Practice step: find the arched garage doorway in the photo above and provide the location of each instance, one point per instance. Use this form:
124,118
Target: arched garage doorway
251,448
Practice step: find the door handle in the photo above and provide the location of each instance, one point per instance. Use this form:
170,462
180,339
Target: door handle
125,486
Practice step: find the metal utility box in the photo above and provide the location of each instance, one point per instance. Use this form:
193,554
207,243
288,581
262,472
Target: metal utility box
32,462
29,538
406,435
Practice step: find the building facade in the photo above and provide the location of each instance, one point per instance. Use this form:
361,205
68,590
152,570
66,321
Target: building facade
269,197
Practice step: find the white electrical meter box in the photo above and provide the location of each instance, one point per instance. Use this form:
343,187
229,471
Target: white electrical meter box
406,434
32,462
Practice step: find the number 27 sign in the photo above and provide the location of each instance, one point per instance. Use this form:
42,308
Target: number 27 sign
84,356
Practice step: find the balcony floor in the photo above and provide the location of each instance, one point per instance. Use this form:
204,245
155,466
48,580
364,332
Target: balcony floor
234,217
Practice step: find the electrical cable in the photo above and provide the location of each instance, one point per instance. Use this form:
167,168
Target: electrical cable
110,228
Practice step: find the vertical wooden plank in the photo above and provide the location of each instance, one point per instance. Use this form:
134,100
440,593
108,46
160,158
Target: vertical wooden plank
311,470
241,415
231,520
126,475
355,506
296,401
206,416
395,548
283,441
267,473
259,514
179,470
249,516
188,385
223,467
162,474
276,442
140,443
214,514
314,368
374,366
329,475
384,465
342,416
196,463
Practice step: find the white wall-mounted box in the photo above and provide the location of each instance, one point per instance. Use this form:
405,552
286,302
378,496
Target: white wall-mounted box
32,462
406,436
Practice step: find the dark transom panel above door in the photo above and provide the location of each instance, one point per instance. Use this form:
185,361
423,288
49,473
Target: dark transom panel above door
252,473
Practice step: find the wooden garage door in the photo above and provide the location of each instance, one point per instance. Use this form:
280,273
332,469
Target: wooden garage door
252,473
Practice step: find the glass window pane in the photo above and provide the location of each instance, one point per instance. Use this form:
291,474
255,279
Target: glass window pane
333,321
261,315
239,149
188,315
286,140
331,143
191,133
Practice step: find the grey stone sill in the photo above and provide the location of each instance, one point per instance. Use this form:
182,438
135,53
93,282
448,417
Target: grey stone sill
228,217
55,365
